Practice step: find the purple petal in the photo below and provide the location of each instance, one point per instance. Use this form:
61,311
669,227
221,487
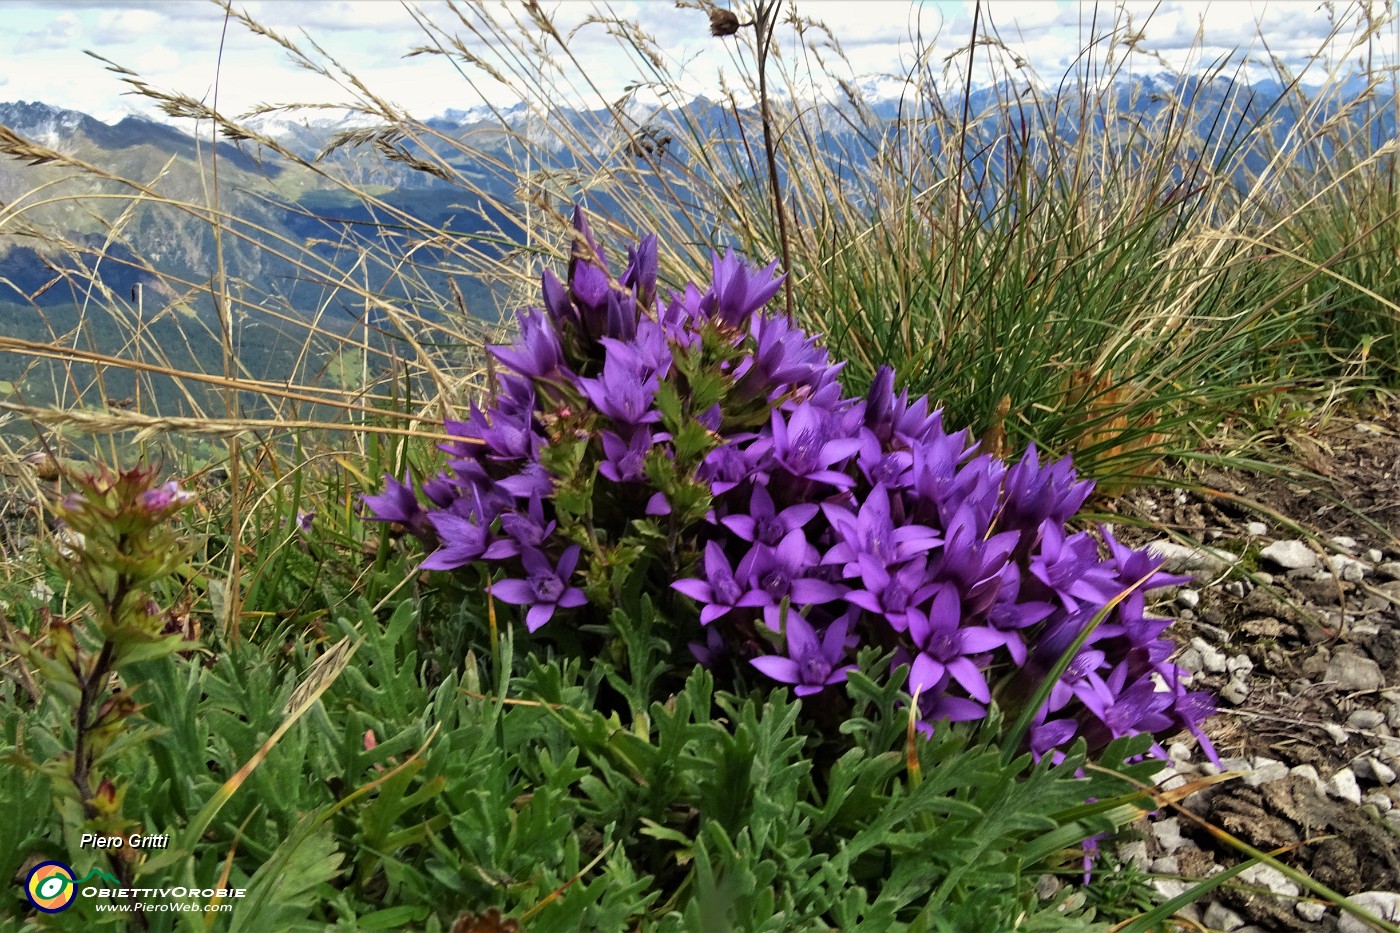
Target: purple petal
778,668
515,592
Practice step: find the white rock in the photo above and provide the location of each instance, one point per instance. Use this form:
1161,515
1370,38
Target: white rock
1373,555
1238,588
1310,911
1271,878
1352,672
1309,774
1236,691
1343,786
1342,543
1170,887
1166,865
1262,578
1348,568
1384,904
1190,661
1371,769
1256,528
1265,771
1220,917
1181,558
1380,800
1290,555
1336,732
1366,719
1239,664
1135,853
1389,569
1188,599
1180,752
1168,833
1213,660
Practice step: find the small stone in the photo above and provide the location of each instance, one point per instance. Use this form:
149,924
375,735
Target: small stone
1362,629
1348,568
1290,555
1179,752
1343,786
1262,578
1212,659
1265,771
1190,661
1352,672
1380,800
1372,769
1188,599
1373,555
1237,588
1343,543
1220,917
1239,664
1134,853
1336,732
1171,887
1256,528
1389,569
1317,663
1181,558
1311,911
1271,878
1264,627
1309,774
1367,719
1235,692
1168,833
1384,904
1047,886
1166,865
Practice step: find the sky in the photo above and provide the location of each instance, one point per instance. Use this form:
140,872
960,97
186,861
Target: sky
187,46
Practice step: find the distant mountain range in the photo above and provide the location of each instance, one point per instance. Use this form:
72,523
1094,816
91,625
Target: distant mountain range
280,204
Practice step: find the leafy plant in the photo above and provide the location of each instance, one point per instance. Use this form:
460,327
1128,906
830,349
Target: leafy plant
824,522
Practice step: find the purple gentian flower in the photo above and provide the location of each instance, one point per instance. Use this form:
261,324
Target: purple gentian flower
892,593
1070,568
775,573
464,541
719,591
737,291
167,497
640,274
868,540
810,664
398,503
624,393
528,529
764,524
536,354
623,461
803,446
544,588
945,645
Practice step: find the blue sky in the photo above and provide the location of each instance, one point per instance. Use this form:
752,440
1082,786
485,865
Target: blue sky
174,44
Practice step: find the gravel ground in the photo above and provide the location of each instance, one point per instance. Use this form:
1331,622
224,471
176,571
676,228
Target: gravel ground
1297,633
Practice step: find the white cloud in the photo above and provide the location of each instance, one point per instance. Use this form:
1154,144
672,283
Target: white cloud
59,32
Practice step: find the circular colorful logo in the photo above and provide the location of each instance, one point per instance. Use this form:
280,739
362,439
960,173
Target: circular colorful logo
50,887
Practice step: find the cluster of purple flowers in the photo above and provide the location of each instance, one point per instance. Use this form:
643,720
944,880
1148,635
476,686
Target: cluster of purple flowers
802,522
